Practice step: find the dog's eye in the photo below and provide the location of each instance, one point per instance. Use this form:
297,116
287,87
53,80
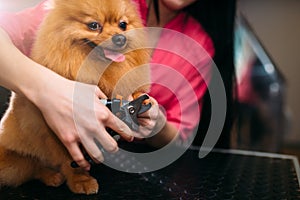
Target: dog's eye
94,26
123,25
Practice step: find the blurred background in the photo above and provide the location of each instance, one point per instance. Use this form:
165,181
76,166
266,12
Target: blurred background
268,67
276,25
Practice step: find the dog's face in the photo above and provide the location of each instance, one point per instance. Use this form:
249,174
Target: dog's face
107,23
95,42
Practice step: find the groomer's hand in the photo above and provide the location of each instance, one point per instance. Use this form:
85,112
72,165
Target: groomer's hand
75,114
154,126
151,122
71,109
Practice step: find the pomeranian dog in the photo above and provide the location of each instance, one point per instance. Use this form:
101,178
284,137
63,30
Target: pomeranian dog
91,41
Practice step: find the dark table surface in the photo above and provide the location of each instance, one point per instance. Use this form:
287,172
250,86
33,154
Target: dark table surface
221,175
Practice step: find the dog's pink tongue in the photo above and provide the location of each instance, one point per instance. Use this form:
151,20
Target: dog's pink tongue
114,56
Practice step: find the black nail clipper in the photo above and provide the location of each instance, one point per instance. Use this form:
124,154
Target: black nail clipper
127,111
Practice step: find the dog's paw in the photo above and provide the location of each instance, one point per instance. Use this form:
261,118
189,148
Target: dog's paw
83,184
51,178
55,180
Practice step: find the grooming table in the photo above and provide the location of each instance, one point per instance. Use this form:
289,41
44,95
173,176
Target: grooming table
222,175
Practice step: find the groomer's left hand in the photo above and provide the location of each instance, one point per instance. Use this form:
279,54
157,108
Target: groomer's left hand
151,122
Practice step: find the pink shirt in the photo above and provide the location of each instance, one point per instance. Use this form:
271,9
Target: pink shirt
180,65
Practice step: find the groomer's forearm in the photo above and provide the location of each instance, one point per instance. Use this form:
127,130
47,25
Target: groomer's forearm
18,72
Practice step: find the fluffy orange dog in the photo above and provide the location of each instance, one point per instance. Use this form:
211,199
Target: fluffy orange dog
91,41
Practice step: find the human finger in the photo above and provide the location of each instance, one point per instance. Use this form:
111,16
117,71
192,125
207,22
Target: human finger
117,125
78,157
101,139
95,151
99,93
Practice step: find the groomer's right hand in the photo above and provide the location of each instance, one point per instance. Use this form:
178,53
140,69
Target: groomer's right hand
94,136
76,115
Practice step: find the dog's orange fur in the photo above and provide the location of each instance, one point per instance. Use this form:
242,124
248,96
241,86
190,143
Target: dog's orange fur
28,148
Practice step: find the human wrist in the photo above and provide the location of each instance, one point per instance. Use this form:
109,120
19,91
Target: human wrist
37,85
167,134
163,132
160,122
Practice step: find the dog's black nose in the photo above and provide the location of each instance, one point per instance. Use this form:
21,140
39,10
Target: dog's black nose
119,40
